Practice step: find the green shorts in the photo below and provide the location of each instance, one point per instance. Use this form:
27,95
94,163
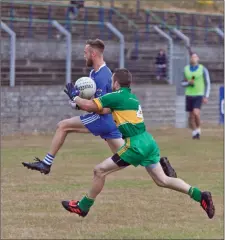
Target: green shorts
140,150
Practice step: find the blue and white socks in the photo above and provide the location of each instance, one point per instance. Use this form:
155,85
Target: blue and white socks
48,159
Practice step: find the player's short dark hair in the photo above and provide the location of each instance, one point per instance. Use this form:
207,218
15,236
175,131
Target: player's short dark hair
123,77
96,43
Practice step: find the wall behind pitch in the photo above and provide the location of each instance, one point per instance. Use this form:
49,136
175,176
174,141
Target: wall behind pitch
35,49
27,109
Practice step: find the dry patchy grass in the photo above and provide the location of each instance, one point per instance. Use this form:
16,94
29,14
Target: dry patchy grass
131,205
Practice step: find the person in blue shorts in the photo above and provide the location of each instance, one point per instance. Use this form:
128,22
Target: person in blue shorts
101,125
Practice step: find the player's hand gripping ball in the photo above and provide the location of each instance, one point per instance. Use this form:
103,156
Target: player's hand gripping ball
71,91
86,87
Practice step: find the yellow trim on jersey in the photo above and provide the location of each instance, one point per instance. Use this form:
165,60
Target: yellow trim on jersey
98,103
125,147
127,116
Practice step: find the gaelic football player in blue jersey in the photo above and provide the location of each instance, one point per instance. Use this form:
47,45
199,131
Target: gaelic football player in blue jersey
101,125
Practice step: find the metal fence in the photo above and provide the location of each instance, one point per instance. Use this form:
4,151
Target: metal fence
67,34
110,13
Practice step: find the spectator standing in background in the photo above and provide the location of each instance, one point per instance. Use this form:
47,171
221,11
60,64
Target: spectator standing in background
161,64
73,11
197,90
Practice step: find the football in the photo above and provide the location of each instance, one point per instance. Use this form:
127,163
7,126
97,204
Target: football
86,86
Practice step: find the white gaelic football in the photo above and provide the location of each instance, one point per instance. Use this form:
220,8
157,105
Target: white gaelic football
86,86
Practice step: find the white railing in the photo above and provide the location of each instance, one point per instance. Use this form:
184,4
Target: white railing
12,52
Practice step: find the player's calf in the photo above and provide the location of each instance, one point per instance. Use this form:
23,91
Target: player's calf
204,198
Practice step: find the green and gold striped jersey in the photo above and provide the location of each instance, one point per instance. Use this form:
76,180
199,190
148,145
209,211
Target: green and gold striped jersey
126,111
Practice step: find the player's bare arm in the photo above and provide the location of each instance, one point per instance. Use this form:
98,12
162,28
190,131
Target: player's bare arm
90,106
86,105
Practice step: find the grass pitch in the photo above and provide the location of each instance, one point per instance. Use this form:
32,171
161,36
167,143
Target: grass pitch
131,206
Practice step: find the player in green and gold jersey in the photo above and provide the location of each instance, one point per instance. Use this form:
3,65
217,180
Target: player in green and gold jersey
140,148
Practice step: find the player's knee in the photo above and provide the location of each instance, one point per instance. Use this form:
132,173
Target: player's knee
99,171
61,126
192,116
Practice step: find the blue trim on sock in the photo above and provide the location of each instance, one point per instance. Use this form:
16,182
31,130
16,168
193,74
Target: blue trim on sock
48,158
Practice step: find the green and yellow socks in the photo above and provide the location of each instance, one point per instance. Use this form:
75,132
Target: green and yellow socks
195,194
85,203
